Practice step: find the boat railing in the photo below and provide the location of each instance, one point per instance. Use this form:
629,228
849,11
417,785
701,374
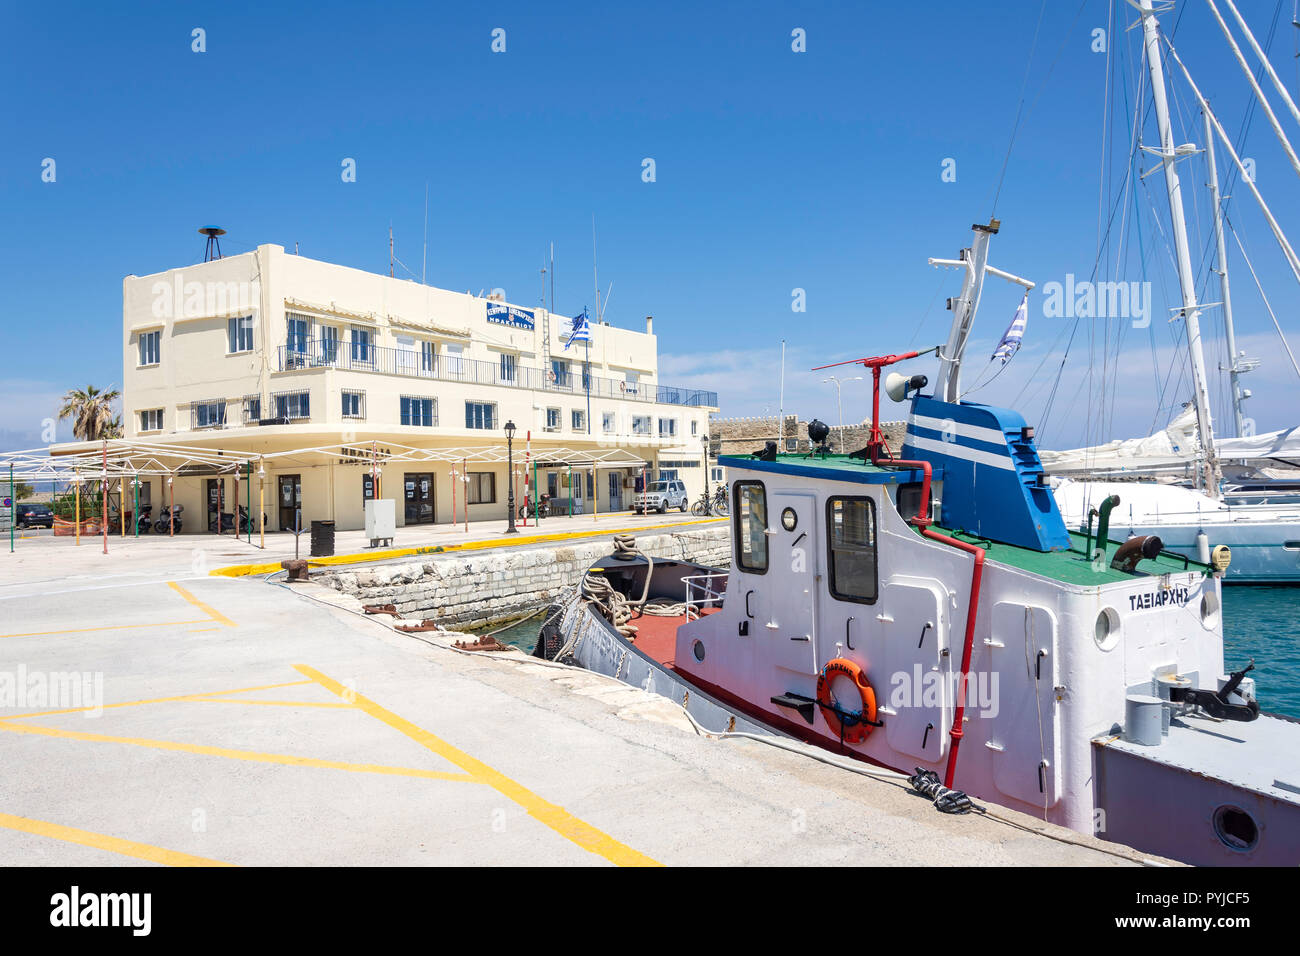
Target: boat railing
704,590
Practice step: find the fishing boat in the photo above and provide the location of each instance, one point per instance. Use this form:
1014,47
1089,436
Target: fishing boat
931,613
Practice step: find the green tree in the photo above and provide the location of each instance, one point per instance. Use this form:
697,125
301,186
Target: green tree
91,412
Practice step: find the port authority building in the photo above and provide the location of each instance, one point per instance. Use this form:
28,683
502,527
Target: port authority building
313,387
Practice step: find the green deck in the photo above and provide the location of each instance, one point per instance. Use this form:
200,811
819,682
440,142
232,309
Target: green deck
1073,566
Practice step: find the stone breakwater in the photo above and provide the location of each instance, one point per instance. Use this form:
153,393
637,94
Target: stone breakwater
465,591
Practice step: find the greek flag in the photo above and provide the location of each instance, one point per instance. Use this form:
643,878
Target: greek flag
1010,343
581,331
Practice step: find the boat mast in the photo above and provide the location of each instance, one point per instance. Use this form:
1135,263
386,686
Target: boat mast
1209,472
1236,364
974,261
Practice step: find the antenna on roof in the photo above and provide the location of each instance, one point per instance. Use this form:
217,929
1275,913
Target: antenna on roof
213,249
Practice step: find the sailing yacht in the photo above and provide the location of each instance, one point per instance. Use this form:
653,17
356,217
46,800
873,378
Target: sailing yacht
1264,535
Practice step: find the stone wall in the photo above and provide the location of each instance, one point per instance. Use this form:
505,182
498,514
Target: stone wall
477,590
741,436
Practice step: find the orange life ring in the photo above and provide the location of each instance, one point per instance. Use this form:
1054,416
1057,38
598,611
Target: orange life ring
861,729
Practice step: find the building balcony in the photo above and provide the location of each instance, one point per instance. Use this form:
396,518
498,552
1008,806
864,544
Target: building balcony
440,367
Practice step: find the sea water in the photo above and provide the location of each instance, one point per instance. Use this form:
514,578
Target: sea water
1261,622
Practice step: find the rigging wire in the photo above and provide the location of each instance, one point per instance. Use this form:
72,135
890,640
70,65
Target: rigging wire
1021,114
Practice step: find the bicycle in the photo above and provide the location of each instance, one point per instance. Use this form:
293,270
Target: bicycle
721,504
703,506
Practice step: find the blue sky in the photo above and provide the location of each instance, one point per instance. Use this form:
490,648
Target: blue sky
775,170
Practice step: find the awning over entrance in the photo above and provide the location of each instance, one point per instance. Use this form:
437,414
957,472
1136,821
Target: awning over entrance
123,458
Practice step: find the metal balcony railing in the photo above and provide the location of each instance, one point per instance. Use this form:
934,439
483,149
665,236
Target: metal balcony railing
316,353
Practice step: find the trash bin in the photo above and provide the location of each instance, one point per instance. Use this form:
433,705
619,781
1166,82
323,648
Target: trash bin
322,539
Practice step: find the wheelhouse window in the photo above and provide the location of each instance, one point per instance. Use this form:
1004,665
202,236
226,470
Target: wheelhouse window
239,334
750,508
150,347
419,411
851,547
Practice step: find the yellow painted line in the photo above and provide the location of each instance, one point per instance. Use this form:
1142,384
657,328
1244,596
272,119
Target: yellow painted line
158,700
108,627
100,841
250,755
205,608
368,557
271,703
553,816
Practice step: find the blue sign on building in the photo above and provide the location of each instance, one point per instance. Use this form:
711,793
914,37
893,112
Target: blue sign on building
500,314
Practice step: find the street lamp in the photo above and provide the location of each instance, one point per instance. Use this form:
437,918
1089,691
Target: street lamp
510,468
704,440
838,404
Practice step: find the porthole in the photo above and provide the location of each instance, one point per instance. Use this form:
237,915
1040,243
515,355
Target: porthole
789,520
1236,828
698,650
1106,629
1209,609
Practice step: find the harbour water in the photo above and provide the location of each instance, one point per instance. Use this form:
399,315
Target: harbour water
1260,622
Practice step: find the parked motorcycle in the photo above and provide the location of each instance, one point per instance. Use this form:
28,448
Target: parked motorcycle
227,523
164,524
245,523
144,523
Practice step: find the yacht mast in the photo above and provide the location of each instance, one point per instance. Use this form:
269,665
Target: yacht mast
1236,364
1209,473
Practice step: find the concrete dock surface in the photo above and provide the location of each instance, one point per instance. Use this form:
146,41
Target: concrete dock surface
236,721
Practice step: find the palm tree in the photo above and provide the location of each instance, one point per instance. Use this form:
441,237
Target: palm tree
91,412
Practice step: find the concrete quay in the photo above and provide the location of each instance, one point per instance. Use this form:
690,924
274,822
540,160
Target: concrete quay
175,718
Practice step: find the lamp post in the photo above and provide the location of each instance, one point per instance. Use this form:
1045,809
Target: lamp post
838,404
510,471
704,440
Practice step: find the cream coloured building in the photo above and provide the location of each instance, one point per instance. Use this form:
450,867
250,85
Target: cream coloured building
319,379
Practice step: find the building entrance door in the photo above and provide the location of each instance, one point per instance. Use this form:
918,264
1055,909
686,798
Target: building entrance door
419,497
289,499
216,500
615,491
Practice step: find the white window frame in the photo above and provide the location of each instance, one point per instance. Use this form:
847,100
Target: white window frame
577,420
553,420
358,399
151,415
150,356
239,334
608,422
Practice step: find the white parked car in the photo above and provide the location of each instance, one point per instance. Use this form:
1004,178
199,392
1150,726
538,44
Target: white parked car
660,496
